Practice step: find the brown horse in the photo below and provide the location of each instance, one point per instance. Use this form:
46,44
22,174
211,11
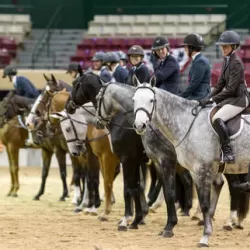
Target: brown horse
53,101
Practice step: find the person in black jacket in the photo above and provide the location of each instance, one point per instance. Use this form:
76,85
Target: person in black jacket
166,67
135,57
75,71
200,73
230,93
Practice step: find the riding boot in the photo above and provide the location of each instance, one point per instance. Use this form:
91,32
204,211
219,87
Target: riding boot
222,131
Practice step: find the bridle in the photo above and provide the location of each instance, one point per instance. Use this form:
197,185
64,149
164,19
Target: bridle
149,114
76,139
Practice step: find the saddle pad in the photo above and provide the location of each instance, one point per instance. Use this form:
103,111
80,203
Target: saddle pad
234,125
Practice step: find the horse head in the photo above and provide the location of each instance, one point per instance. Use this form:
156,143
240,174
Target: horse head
74,128
144,104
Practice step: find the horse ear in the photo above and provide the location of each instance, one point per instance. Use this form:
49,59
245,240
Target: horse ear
58,115
135,81
53,79
46,78
152,81
104,84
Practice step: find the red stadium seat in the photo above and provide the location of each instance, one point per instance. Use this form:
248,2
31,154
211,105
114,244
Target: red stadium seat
4,58
247,66
247,78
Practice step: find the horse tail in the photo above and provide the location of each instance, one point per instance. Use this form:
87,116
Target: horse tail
239,200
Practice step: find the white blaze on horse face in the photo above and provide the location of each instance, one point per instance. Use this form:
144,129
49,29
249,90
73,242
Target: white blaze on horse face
30,120
143,108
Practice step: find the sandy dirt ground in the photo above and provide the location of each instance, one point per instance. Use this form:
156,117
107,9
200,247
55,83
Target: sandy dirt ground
50,224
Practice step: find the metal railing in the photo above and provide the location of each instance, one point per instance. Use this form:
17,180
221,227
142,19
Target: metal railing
43,44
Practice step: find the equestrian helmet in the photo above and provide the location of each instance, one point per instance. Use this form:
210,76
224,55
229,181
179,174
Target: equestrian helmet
136,50
160,42
98,56
9,70
111,57
73,66
229,37
193,39
122,55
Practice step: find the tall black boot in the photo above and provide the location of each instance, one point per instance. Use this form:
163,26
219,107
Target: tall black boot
222,131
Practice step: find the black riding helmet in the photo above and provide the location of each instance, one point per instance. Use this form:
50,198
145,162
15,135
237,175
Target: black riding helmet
111,57
160,42
229,37
136,50
194,40
75,66
9,70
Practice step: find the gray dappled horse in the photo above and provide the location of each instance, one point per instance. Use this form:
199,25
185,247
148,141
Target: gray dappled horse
197,146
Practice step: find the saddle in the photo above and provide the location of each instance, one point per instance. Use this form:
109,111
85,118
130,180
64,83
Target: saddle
234,125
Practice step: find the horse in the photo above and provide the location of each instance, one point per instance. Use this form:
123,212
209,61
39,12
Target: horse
196,145
98,140
87,90
53,101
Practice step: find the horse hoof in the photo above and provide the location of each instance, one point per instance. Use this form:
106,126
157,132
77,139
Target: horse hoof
195,218
122,228
151,210
142,222
202,245
200,223
77,210
239,227
167,234
86,212
36,198
227,227
133,226
14,195
9,194
183,213
93,213
62,199
102,218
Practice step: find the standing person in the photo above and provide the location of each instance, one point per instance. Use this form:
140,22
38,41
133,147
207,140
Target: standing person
119,74
200,73
166,67
98,65
135,57
230,93
23,86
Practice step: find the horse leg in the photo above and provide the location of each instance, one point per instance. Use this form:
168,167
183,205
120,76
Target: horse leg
14,154
46,156
150,197
76,180
128,213
239,204
11,172
158,202
109,165
61,158
204,181
187,192
168,183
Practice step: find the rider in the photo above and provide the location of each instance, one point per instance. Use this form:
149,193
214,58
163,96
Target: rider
199,74
123,59
135,57
118,72
166,67
22,85
230,93
75,71
98,65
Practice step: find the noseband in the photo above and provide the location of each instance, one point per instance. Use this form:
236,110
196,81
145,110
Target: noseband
76,139
149,114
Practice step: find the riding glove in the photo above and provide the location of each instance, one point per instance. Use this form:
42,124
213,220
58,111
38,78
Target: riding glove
205,101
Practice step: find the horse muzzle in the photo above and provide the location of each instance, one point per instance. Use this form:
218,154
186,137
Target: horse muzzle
140,129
